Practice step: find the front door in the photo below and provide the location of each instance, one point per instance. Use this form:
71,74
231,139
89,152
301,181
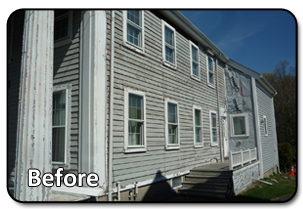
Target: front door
225,138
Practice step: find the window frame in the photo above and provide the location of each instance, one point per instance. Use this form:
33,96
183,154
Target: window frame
212,143
265,125
191,44
208,72
173,64
67,88
201,126
68,38
167,145
133,148
232,116
126,22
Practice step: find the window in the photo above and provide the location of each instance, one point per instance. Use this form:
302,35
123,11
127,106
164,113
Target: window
135,122
61,124
265,125
210,71
213,128
134,29
176,182
172,125
239,125
169,45
197,114
194,60
62,27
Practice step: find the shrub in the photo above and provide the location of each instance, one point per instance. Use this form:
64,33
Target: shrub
285,156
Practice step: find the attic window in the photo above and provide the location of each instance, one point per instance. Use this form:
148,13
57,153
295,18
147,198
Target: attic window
239,125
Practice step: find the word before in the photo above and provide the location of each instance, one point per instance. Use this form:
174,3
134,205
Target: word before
69,179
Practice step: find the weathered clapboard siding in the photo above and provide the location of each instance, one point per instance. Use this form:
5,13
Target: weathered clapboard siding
147,73
269,143
66,71
16,21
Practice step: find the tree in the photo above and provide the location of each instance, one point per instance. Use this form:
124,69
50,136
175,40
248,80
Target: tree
285,82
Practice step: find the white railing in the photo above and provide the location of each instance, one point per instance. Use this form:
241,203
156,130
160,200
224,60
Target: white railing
242,157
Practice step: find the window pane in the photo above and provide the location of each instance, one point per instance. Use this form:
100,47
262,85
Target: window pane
134,16
197,117
211,78
172,113
61,28
194,53
210,64
239,125
198,134
213,120
169,37
135,107
169,54
58,144
59,108
214,135
133,35
135,133
172,134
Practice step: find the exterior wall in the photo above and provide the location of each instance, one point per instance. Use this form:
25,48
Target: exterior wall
146,73
245,105
16,21
66,71
269,143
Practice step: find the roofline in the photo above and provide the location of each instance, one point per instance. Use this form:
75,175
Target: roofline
259,77
181,21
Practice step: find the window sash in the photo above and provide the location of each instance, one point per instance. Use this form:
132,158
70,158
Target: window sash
134,28
169,44
265,126
195,60
61,26
214,128
239,125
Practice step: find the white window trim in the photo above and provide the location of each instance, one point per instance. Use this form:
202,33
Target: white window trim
67,88
194,126
129,45
210,84
210,128
167,63
191,44
67,39
171,146
265,125
127,148
232,125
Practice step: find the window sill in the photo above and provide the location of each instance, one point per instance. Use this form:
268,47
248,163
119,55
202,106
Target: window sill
195,78
171,147
214,145
211,85
198,145
62,42
170,65
135,150
134,48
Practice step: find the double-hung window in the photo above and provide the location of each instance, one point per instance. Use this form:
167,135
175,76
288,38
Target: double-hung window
62,27
239,125
197,114
134,29
169,44
210,71
60,125
194,60
172,125
213,128
135,121
265,125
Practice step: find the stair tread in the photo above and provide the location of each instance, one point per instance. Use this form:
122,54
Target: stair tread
212,177
205,190
204,183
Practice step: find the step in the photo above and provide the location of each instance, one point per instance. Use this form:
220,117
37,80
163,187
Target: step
203,179
211,173
215,186
203,193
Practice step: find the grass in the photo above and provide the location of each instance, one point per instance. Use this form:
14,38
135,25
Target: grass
260,192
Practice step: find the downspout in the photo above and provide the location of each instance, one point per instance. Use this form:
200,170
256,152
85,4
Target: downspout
110,141
221,144
256,117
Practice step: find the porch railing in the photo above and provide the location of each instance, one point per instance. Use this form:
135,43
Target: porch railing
242,157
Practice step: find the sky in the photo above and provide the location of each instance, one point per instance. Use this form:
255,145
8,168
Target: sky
257,39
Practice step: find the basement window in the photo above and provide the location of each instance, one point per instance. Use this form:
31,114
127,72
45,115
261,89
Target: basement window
176,182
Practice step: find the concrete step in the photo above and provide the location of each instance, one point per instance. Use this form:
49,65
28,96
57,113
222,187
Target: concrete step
206,173
203,193
208,186
208,179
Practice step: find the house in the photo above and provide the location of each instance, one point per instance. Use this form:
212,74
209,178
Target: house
138,98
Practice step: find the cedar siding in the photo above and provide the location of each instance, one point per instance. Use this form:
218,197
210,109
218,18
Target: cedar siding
146,73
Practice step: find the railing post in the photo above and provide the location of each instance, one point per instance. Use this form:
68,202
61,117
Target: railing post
241,157
230,160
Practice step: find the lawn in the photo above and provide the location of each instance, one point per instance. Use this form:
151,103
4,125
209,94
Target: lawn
282,185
